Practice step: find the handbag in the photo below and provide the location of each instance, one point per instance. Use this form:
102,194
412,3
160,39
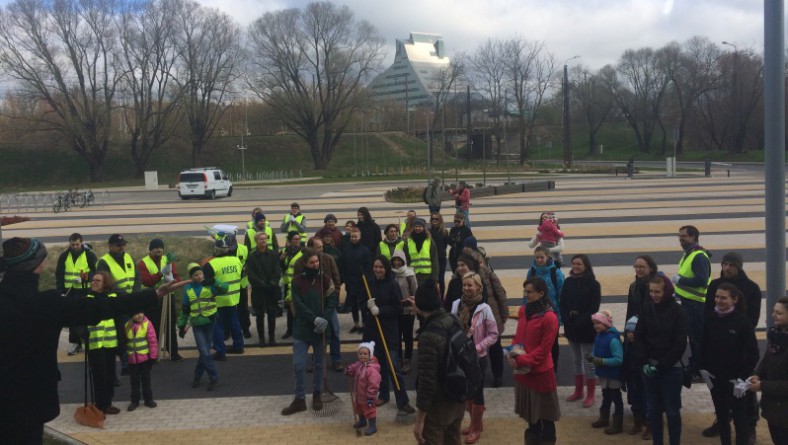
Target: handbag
88,414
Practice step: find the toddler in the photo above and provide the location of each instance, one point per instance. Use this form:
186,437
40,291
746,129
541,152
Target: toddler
366,382
550,236
608,357
142,350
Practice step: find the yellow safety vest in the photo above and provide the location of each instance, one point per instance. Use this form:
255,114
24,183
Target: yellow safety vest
420,260
287,279
243,254
104,334
387,251
292,227
685,270
204,304
75,269
153,269
137,342
252,231
227,269
402,226
122,274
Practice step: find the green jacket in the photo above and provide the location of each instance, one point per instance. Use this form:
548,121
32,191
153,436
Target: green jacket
432,356
310,301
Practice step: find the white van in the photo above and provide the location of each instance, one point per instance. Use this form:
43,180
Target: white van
204,182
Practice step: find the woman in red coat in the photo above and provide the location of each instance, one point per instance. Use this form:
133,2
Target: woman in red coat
535,396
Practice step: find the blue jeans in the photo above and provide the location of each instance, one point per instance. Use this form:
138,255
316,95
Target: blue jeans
663,394
401,396
202,336
229,314
694,311
300,352
333,344
434,209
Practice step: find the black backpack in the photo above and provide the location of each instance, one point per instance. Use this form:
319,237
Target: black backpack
461,374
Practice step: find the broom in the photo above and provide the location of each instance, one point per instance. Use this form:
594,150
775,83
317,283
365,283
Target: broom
88,414
327,396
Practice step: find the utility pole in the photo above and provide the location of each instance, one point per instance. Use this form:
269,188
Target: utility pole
566,117
242,147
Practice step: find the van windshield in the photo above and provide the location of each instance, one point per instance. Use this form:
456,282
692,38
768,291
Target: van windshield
192,177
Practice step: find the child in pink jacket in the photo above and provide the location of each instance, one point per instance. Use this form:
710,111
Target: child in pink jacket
366,382
549,235
142,350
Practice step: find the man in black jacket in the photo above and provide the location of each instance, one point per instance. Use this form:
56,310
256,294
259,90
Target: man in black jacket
75,265
357,260
30,325
733,273
264,275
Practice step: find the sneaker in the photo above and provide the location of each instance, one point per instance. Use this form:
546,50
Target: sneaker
712,431
151,404
133,406
112,410
213,384
74,349
317,401
176,358
406,409
296,406
219,358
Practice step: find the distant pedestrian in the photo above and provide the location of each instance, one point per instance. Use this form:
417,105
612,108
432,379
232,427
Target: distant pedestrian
462,201
432,195
366,382
143,351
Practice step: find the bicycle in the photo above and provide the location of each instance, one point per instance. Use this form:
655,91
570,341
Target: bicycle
90,199
63,202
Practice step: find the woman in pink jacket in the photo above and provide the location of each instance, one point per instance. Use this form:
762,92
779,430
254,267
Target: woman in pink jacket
479,322
366,383
143,351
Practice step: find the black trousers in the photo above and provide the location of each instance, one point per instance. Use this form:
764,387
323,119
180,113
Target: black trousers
406,323
14,433
154,315
102,364
244,318
140,374
726,406
495,352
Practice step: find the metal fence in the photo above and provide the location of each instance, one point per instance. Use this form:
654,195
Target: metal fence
266,175
40,202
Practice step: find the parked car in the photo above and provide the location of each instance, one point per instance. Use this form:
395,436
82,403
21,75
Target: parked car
204,182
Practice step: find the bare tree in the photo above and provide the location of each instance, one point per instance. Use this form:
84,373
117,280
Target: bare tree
445,83
530,73
594,101
488,76
148,59
60,53
209,51
310,65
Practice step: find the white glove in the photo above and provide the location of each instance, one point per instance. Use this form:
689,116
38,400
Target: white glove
707,376
166,270
77,280
320,325
675,278
741,387
292,218
169,277
374,310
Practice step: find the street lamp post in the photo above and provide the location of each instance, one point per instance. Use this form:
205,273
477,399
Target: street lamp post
484,148
243,147
566,120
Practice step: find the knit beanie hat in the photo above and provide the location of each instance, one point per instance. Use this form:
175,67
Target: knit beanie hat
259,217
193,269
427,298
155,243
369,345
471,242
23,254
603,317
330,217
631,324
420,222
735,259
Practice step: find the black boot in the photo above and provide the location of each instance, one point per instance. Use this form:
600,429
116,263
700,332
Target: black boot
713,430
603,420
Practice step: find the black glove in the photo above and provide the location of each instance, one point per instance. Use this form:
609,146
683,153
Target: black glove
182,332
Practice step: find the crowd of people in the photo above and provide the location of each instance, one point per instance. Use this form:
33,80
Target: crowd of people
394,282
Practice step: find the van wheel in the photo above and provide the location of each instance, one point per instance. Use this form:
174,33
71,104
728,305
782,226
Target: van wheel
212,194
230,192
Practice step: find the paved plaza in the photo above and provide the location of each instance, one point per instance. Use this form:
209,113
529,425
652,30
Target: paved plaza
610,219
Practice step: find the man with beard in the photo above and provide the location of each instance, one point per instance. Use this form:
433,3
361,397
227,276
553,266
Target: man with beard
421,253
75,267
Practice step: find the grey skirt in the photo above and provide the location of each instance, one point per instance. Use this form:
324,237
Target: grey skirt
533,406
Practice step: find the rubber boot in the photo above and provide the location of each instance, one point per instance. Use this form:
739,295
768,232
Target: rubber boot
646,432
468,407
362,422
603,420
372,428
477,425
638,426
591,388
578,394
617,427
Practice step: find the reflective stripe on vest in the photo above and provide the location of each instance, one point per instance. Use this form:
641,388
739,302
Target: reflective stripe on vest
685,271
291,227
137,342
123,276
104,334
420,260
153,269
227,269
204,304
74,269
387,251
243,253
252,232
290,271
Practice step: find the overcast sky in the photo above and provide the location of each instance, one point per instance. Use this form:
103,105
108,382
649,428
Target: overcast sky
597,30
